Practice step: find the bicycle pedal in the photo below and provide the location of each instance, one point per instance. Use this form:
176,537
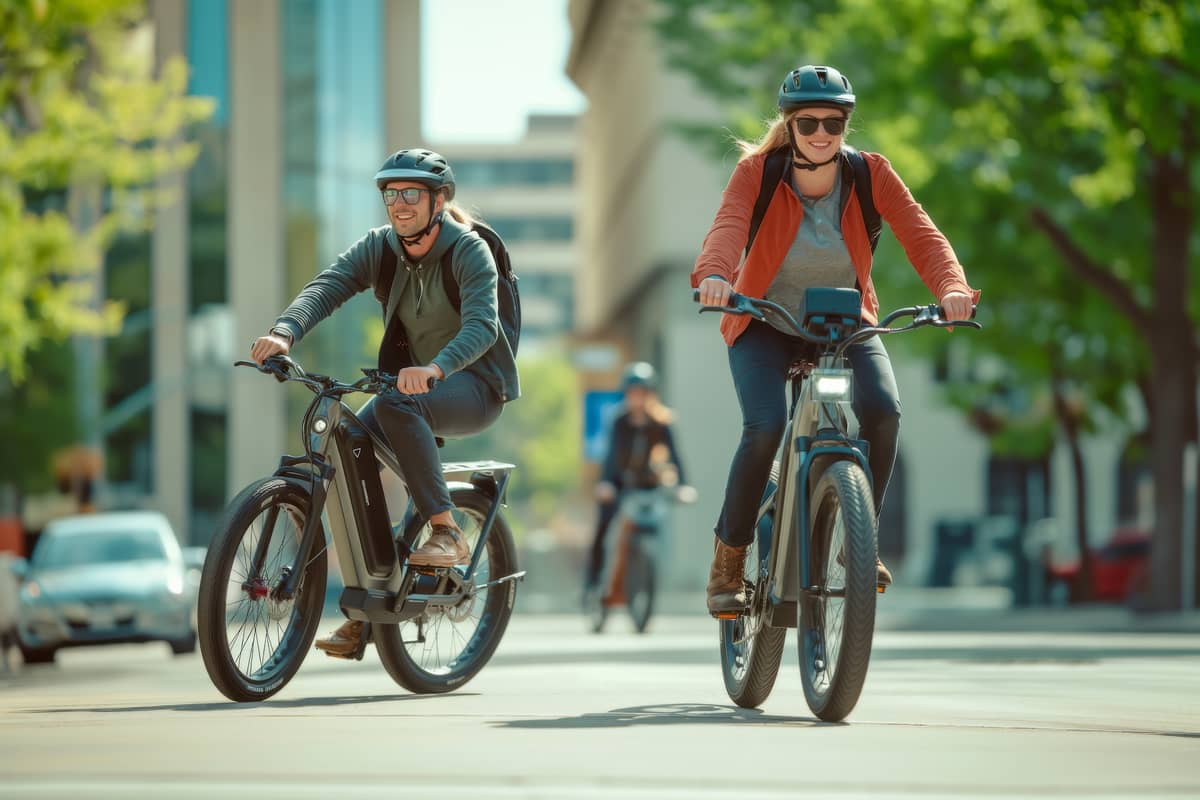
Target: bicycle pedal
726,615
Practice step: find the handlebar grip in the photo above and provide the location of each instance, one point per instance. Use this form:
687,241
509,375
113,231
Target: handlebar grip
941,312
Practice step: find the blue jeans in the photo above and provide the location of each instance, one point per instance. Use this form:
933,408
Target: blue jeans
759,361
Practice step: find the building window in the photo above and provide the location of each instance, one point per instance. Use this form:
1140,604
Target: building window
513,172
533,229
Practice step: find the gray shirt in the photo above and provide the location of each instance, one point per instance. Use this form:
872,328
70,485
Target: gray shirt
818,255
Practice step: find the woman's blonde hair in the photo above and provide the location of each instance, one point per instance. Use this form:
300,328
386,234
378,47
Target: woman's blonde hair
775,137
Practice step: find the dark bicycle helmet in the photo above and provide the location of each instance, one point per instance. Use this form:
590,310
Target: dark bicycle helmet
639,373
420,165
815,86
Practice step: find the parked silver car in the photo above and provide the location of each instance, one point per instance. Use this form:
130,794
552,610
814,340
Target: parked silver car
106,578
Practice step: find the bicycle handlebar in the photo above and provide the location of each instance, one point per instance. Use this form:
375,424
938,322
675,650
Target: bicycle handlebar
932,314
283,368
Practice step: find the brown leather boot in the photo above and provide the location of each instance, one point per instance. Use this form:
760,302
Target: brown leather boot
726,587
883,576
446,547
342,642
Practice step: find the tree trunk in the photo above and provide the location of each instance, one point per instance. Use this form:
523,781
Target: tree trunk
1172,375
1081,584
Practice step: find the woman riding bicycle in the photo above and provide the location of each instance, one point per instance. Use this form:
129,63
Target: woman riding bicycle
812,234
640,448
462,354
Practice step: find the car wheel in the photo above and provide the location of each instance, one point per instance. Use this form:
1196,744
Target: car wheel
37,655
185,645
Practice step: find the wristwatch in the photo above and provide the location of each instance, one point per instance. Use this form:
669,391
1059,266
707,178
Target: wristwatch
279,330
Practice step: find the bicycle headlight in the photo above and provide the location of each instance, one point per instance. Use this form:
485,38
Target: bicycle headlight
832,385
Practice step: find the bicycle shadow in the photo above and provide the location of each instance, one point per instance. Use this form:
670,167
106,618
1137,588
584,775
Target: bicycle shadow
270,705
667,714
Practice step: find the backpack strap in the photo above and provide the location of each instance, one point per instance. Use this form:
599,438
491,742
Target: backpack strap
773,169
448,279
866,198
387,275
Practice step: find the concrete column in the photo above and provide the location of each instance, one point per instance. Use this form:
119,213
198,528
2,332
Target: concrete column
402,77
170,440
256,425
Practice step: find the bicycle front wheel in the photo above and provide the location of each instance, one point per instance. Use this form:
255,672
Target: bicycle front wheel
639,581
751,649
837,618
253,640
443,648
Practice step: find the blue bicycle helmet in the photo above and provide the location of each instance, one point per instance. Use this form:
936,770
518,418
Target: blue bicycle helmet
811,85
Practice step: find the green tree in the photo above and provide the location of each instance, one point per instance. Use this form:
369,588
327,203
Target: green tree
1055,143
86,132
541,433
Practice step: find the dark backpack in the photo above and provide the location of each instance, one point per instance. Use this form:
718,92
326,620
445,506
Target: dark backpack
773,169
507,297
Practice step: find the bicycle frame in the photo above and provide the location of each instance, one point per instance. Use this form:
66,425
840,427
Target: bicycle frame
379,587
814,432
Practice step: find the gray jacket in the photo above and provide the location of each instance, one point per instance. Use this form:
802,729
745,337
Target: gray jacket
480,346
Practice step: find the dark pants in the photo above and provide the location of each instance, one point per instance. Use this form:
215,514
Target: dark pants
604,517
759,361
459,406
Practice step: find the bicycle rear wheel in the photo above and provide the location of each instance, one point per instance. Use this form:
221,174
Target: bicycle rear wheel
251,640
837,621
443,648
752,650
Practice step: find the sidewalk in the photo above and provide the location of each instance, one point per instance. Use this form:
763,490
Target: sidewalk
958,609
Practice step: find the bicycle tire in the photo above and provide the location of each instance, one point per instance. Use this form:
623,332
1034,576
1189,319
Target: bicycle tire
834,634
640,583
411,672
750,665
303,613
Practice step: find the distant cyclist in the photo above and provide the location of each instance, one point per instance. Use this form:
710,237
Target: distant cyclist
811,235
641,455
463,350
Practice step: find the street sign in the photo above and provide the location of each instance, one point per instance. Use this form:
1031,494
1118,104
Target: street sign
600,408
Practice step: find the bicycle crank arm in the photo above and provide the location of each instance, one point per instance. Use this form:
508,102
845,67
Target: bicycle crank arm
516,576
823,592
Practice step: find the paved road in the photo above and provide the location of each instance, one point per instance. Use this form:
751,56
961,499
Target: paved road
562,714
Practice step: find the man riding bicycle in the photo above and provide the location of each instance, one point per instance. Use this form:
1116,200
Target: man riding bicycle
456,369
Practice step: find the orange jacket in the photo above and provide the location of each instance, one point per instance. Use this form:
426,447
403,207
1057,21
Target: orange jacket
927,249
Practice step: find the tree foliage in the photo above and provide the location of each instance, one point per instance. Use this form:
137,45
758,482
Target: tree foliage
86,132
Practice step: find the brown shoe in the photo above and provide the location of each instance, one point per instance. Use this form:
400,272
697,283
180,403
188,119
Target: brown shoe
343,642
726,586
446,547
883,577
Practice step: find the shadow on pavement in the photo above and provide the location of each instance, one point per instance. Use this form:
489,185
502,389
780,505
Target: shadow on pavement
300,702
668,714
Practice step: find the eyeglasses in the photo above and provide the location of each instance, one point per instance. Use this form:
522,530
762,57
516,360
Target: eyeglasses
411,196
807,126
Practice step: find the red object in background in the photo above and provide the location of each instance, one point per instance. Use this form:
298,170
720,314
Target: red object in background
1118,568
12,538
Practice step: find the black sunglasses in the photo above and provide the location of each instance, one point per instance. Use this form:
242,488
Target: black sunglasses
807,126
411,196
